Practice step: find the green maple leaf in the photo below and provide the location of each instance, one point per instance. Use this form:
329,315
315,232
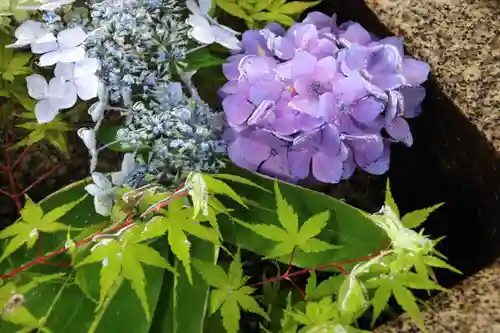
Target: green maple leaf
33,220
124,258
229,293
290,236
16,66
53,132
178,224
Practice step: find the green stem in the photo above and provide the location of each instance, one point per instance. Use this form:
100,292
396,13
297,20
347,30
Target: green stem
59,293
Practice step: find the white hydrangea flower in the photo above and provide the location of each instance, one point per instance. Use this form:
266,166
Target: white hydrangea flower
67,47
102,191
82,75
96,110
128,165
206,30
88,137
52,96
49,5
29,33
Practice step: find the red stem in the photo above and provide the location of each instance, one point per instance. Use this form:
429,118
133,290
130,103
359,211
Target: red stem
20,158
7,194
41,178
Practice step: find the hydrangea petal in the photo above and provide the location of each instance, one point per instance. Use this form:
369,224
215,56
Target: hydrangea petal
44,44
45,111
299,161
87,86
71,37
238,150
64,70
102,181
73,54
415,71
327,168
94,190
237,109
37,86
303,64
400,130
366,110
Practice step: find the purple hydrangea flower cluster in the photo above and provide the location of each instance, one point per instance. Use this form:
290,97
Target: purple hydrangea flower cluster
319,99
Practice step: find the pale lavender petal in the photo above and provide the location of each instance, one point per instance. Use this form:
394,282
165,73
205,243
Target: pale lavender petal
330,140
276,165
349,89
237,109
415,71
327,168
230,68
299,161
323,48
381,165
305,36
367,150
303,64
348,166
388,82
354,33
412,100
230,88
400,130
276,28
326,70
306,105
238,151
265,90
393,105
303,85
254,43
319,20
366,110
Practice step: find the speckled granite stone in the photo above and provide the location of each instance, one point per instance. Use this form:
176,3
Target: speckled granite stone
472,307
461,41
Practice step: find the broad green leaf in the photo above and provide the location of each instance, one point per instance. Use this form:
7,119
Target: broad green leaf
351,298
37,280
238,179
328,287
53,227
200,231
182,307
21,316
353,231
436,262
14,244
72,311
316,245
108,277
232,8
313,226
297,7
213,274
231,315
405,298
380,300
286,215
203,58
274,17
235,272
219,187
276,4
417,217
389,200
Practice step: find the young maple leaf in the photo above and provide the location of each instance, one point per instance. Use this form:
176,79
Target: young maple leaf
229,293
290,236
123,257
177,224
33,221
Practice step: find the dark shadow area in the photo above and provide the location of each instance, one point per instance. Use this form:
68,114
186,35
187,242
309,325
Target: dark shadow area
451,161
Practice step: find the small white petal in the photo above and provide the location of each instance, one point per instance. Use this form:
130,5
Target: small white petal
86,66
96,111
64,70
102,181
103,205
68,99
201,30
128,165
225,38
37,86
118,178
57,88
45,111
49,59
73,54
44,44
54,4
88,137
30,29
19,43
87,86
69,38
94,190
